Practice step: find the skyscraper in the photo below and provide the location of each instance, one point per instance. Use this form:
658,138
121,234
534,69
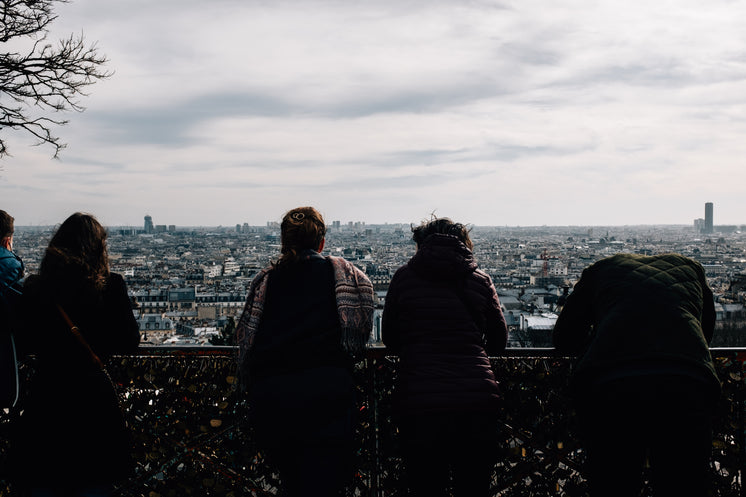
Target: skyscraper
708,218
148,224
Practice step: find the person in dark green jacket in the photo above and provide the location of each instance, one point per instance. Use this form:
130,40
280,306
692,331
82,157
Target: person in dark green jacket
644,382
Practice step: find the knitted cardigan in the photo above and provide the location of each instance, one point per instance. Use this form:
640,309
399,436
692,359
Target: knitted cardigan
355,304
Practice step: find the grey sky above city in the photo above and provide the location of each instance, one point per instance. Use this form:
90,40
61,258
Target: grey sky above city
492,113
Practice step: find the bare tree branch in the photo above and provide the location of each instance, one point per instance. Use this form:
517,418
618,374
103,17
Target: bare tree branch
46,78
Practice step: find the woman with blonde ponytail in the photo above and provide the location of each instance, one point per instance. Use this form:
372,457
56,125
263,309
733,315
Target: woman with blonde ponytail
306,320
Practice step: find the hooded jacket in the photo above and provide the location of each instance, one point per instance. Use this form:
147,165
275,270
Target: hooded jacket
633,315
442,317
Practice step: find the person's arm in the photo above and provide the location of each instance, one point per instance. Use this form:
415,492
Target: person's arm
708,306
11,284
356,332
496,331
573,328
28,329
249,320
124,335
390,318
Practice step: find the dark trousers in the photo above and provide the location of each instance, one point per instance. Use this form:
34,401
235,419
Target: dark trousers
441,451
666,420
312,470
305,424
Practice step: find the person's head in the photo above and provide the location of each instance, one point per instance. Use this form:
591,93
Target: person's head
6,230
302,228
78,250
444,226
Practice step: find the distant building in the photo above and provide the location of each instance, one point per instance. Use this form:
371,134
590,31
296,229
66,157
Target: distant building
181,298
708,218
231,267
148,224
155,322
151,301
212,305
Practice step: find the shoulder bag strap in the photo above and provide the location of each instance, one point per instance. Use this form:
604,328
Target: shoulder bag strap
76,333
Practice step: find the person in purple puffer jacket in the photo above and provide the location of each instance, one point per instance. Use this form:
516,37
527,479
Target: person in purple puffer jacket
443,318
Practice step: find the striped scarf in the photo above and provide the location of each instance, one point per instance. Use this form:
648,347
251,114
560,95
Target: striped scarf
355,304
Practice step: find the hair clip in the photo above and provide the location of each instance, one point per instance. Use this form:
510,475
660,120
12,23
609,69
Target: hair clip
298,216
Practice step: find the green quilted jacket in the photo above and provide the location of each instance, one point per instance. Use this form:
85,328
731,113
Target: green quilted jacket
631,315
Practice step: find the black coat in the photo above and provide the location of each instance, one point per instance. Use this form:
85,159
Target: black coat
632,315
442,317
300,326
72,430
301,389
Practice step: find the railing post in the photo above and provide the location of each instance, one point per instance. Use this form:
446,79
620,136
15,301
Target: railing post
373,406
739,395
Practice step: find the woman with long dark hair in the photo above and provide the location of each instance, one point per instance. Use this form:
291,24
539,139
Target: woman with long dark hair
306,319
72,439
443,318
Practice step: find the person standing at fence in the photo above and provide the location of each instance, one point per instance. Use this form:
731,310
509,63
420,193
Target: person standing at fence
11,267
11,287
306,319
644,383
71,438
443,318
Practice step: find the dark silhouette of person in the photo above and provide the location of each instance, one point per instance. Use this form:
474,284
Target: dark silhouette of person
71,438
11,288
644,383
443,318
307,319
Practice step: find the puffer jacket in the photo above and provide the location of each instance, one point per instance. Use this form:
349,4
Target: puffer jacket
11,276
442,317
632,315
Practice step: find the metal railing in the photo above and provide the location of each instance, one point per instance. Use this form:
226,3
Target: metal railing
189,437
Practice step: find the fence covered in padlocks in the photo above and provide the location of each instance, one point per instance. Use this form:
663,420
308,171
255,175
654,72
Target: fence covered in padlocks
190,438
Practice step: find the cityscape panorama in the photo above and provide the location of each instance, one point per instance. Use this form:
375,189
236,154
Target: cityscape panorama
188,284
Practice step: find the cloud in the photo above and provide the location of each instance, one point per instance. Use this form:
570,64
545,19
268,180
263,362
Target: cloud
527,112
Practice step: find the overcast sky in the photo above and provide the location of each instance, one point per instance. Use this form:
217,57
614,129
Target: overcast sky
511,113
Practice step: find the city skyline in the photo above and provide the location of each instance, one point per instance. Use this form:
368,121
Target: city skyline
493,113
704,225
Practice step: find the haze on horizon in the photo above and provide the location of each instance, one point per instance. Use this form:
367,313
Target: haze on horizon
493,113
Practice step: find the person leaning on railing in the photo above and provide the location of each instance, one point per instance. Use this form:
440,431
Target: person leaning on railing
71,439
443,318
644,382
306,319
